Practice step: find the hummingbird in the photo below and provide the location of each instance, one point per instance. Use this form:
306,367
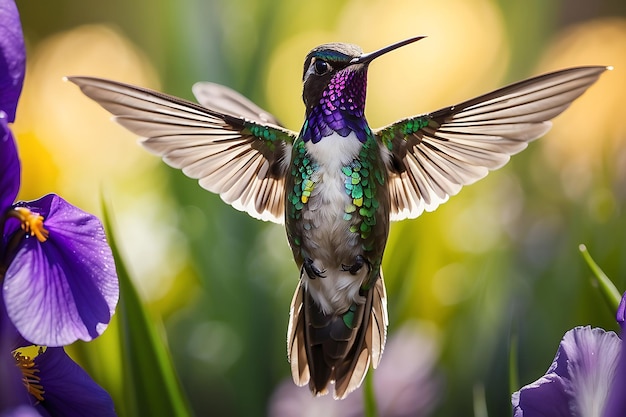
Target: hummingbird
337,183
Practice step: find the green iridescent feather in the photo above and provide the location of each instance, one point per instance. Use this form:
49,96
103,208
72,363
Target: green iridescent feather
302,169
403,129
362,189
348,316
269,135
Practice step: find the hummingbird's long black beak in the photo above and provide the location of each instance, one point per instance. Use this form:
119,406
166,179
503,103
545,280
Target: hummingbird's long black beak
365,58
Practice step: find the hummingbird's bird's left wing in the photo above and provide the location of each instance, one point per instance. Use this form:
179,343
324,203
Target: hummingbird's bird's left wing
244,159
432,156
226,100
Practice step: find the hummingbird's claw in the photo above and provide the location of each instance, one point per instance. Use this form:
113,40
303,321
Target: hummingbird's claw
311,270
356,267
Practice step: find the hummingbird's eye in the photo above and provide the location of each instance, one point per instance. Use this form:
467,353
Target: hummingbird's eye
321,67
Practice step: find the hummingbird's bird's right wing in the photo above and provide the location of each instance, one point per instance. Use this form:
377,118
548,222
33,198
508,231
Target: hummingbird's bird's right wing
432,156
244,159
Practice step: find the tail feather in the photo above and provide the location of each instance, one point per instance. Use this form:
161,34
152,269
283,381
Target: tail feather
377,331
338,348
295,340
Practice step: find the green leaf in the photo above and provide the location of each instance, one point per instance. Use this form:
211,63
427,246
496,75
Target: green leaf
151,387
608,290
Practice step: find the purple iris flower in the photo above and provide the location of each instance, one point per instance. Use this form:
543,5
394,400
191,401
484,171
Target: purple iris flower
38,381
57,273
12,58
586,378
62,388
616,403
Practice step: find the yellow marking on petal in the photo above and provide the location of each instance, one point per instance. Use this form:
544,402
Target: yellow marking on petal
304,198
357,201
32,223
26,364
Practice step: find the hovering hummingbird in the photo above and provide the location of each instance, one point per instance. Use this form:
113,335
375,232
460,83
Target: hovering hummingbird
337,184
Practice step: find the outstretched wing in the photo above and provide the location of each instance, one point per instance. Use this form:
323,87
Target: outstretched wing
434,155
244,160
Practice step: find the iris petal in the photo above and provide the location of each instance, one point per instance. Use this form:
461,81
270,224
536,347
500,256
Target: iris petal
592,360
578,381
65,288
21,411
69,390
12,392
545,397
616,404
12,58
9,164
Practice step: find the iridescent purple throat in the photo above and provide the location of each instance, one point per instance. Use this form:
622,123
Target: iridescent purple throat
341,109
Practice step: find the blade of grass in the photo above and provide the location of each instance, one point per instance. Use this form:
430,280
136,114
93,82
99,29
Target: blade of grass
151,386
607,288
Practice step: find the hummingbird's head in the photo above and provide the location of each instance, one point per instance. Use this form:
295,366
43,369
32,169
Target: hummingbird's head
330,64
338,71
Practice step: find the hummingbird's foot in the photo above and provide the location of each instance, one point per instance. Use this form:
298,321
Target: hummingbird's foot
311,270
356,267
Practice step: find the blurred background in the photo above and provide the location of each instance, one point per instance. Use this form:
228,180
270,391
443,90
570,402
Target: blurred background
495,268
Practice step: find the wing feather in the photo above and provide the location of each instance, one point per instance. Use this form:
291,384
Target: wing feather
243,159
458,145
228,101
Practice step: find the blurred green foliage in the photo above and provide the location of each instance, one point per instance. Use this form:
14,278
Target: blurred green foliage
497,261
